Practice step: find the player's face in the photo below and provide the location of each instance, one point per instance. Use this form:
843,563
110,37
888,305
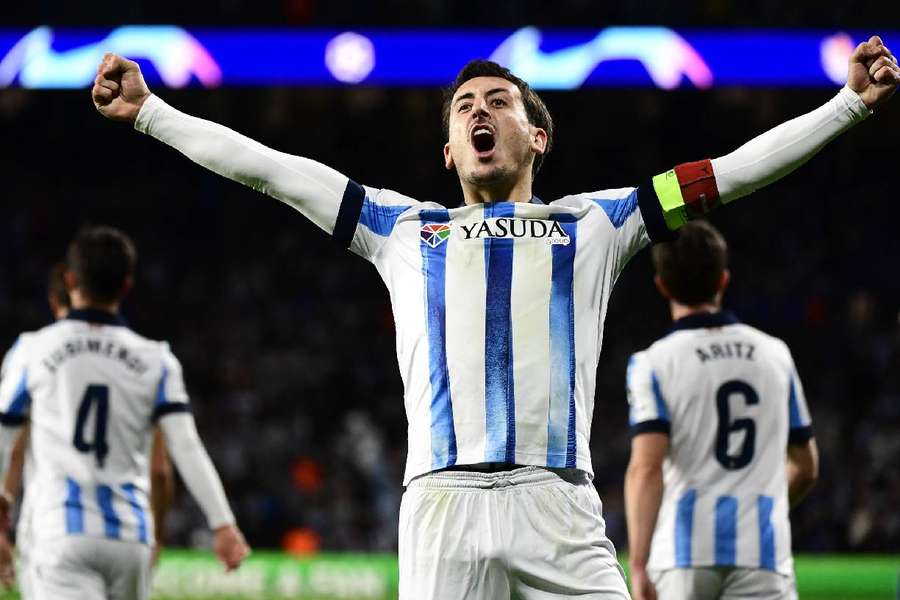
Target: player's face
491,140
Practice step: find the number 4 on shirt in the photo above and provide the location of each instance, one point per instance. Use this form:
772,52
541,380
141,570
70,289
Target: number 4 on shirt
98,395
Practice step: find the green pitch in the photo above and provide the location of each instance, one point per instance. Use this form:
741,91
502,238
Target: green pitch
187,575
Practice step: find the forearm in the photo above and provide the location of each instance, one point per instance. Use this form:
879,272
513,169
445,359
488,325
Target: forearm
643,496
692,190
772,155
162,485
196,468
310,187
12,480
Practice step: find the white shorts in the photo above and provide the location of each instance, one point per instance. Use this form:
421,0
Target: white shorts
86,568
524,534
722,583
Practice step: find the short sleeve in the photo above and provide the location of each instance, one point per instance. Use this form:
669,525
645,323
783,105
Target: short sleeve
367,217
171,394
800,422
648,409
15,398
620,208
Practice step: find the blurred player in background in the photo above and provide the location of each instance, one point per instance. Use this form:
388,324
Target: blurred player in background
162,479
93,390
722,442
499,306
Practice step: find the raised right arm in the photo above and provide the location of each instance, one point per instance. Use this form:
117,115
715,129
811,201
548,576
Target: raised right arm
329,199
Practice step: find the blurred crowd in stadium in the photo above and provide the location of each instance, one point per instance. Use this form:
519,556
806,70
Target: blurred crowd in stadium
287,341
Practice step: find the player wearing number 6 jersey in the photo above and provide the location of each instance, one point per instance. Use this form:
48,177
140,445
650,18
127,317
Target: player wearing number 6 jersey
92,390
722,442
499,306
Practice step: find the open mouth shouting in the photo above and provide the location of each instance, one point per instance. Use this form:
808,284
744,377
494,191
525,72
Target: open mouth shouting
482,137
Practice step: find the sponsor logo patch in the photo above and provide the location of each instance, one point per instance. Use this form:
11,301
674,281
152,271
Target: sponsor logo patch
504,227
435,234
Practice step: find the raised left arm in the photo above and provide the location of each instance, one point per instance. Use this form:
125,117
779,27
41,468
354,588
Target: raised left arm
692,190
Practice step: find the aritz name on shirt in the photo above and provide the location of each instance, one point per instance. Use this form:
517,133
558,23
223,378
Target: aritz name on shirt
509,227
109,349
739,350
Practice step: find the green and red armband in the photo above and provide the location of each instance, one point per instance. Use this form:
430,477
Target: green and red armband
686,192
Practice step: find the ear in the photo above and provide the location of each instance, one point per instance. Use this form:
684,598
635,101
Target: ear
127,286
71,281
724,280
538,140
448,158
661,286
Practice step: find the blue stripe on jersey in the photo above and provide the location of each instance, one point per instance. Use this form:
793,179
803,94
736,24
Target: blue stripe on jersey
764,506
794,407
684,528
110,520
380,218
499,391
662,410
21,398
726,530
138,510
620,209
74,508
443,435
161,390
561,424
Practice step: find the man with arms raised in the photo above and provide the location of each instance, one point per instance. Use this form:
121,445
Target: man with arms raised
722,442
93,390
499,307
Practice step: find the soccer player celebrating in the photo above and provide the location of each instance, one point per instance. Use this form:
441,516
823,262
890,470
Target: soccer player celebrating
499,306
93,390
722,442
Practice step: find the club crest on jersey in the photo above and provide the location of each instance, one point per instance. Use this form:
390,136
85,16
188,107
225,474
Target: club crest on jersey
435,234
504,227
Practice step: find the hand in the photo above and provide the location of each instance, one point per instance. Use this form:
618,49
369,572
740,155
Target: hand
641,586
873,72
7,568
230,547
154,555
119,89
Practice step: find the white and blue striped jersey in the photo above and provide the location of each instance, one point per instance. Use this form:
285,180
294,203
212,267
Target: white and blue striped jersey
92,390
498,307
499,311
730,399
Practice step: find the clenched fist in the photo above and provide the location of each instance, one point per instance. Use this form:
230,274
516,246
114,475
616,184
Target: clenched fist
873,72
119,89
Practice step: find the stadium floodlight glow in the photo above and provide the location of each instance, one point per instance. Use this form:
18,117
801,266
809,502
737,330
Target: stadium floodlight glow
660,57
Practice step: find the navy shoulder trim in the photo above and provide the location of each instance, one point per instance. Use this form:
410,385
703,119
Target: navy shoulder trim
12,420
652,213
652,426
800,435
348,214
169,408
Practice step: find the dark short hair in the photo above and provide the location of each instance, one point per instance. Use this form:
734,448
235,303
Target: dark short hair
102,259
56,285
692,265
537,112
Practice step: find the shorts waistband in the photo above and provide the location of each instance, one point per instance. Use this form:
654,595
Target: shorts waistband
468,480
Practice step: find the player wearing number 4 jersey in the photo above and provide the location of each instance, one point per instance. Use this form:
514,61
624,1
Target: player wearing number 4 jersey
722,442
93,390
499,306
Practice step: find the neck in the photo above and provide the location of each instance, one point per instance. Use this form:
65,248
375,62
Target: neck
679,311
80,302
501,191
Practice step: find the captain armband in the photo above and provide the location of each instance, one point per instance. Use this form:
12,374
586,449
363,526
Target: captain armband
686,192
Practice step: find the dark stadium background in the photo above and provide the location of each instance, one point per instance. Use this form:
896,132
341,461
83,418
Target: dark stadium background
287,341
